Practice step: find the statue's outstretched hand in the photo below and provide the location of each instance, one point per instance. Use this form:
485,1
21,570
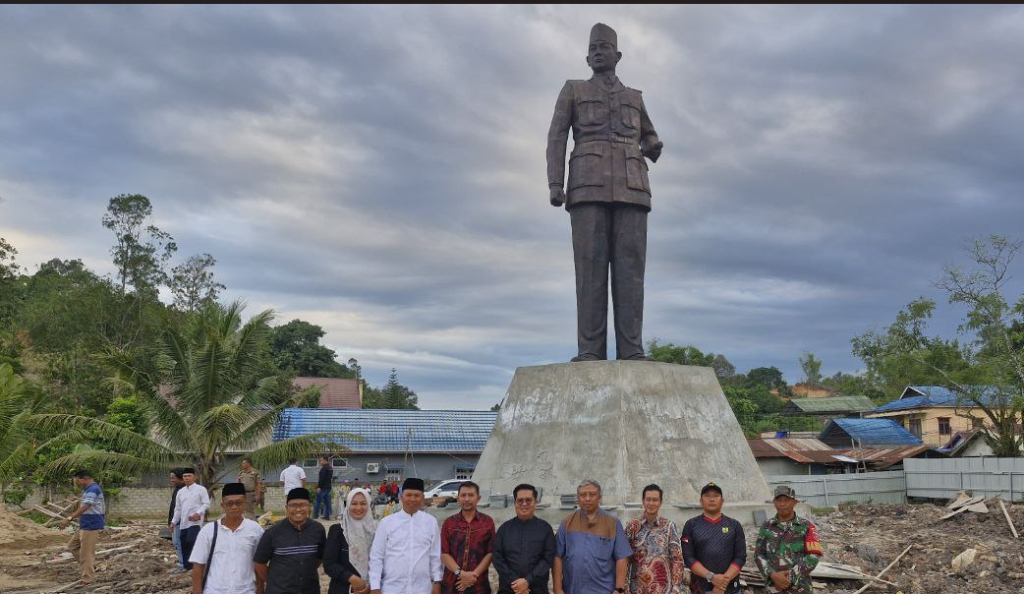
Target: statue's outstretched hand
557,197
652,151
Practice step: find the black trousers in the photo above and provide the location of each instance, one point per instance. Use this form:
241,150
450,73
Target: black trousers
609,237
188,541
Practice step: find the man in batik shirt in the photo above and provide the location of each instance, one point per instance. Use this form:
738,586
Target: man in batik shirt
657,564
787,547
466,541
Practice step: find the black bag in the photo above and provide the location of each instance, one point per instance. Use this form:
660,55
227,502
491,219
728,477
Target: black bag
209,558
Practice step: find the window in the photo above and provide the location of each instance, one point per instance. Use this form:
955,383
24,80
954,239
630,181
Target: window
944,428
915,427
340,462
310,463
463,473
977,423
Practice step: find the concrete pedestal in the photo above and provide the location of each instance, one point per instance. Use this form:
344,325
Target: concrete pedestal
626,424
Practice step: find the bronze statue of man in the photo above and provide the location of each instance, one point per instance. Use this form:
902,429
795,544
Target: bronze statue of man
608,197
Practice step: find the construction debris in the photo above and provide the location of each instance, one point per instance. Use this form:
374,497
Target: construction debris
966,504
964,560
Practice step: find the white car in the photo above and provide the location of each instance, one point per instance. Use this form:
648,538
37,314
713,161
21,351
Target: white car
449,488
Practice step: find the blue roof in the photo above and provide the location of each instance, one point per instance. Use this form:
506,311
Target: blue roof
393,430
871,431
923,397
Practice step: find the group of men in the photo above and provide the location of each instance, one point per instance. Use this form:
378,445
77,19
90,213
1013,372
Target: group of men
591,552
294,476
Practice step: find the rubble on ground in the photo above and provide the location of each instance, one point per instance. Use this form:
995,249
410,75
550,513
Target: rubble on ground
871,536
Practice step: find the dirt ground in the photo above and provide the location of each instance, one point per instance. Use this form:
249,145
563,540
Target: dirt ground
871,536
867,536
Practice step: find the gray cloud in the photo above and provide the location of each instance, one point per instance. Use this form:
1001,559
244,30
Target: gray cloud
380,170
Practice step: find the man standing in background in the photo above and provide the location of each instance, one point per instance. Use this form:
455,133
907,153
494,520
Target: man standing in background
91,516
293,477
323,489
177,482
192,503
253,483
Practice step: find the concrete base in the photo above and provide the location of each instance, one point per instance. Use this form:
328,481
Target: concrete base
626,424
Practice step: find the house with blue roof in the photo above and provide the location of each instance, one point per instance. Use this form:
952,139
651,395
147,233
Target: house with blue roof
931,413
859,433
393,444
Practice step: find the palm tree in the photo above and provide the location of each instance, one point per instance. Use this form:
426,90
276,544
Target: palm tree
19,401
206,392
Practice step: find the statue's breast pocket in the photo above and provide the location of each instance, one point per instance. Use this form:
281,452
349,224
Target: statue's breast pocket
630,109
592,112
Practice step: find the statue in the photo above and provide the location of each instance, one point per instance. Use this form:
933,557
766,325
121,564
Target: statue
608,196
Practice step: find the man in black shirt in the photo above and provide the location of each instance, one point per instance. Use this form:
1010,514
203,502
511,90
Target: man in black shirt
714,547
293,547
176,476
323,489
524,548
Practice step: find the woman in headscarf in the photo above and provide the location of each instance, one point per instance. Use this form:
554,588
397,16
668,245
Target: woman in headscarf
347,553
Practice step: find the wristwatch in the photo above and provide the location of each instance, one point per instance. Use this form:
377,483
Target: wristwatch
458,572
710,576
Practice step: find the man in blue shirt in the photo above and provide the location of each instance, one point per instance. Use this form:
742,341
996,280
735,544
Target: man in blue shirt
91,521
592,551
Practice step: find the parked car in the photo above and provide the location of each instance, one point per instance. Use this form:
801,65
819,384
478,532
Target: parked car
448,488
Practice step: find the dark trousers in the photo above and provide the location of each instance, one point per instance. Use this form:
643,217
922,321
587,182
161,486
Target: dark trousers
188,541
323,498
609,238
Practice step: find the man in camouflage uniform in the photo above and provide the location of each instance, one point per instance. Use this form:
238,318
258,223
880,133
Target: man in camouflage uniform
787,547
253,482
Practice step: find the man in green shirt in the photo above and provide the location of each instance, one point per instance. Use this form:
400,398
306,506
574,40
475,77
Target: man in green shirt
787,547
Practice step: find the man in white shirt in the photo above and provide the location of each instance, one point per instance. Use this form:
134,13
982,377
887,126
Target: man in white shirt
293,477
189,508
222,556
405,557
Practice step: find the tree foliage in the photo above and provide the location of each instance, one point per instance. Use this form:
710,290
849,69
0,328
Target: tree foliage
296,347
206,397
193,285
986,370
392,395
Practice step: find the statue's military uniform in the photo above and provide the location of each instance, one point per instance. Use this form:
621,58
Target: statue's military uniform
791,546
608,196
252,480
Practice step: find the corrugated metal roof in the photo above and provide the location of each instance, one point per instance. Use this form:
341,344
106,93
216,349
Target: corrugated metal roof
394,430
836,404
870,431
928,397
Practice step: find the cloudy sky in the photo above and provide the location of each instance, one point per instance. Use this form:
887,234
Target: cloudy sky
380,170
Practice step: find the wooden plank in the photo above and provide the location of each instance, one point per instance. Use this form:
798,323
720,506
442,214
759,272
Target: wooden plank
1006,514
887,568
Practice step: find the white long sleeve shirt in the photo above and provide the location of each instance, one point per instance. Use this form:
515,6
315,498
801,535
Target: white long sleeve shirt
405,557
191,499
231,570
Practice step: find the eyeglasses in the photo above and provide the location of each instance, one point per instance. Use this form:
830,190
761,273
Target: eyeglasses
297,506
524,501
233,503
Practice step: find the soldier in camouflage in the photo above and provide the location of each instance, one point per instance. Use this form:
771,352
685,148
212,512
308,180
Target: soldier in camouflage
787,547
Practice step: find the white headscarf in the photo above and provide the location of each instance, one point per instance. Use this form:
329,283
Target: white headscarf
359,534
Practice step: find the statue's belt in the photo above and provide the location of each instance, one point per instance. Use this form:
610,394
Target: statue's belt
607,138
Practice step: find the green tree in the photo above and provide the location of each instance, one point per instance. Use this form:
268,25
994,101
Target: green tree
141,251
811,367
19,401
770,377
192,283
206,397
9,274
987,371
393,395
690,355
296,347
